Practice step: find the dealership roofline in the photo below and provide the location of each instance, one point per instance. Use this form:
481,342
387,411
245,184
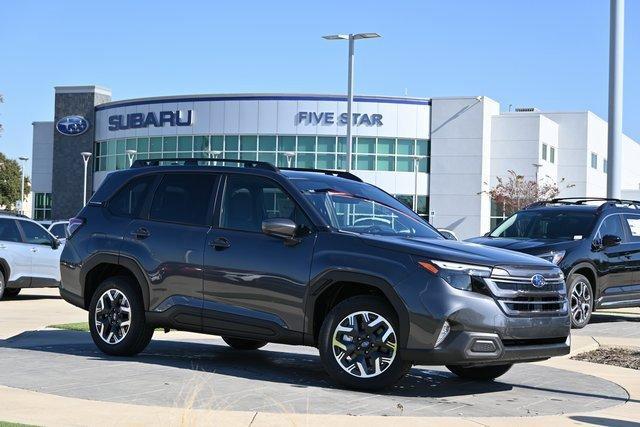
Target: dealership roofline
262,97
83,89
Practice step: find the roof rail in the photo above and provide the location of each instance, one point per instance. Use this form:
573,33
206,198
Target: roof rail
194,161
607,202
339,174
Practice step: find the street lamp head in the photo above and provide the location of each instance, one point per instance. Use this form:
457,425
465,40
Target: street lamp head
336,37
23,158
85,155
366,36
131,152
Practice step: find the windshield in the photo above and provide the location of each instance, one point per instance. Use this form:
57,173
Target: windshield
347,212
550,225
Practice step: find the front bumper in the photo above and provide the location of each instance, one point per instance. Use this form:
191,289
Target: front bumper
481,349
482,333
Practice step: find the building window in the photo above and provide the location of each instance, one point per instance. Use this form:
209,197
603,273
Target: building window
552,154
423,204
41,206
594,160
605,166
498,214
321,152
544,151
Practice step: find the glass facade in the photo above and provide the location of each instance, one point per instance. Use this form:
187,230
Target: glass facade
320,152
41,206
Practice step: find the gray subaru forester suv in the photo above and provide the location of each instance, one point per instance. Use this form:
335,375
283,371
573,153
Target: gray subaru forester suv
258,254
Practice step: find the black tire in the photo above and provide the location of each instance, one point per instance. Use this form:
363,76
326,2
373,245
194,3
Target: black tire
139,333
243,344
391,373
3,286
11,293
580,304
480,373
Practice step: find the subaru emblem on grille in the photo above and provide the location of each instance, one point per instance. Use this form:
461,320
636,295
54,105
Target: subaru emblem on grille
538,280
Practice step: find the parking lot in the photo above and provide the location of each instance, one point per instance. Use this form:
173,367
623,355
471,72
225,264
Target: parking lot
196,372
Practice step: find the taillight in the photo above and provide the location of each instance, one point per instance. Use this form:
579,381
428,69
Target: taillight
74,225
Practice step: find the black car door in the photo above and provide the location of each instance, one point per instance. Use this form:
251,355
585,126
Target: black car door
168,241
611,261
631,291
254,284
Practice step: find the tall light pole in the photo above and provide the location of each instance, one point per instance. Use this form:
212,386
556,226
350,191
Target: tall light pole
130,155
416,163
616,60
351,38
24,160
86,155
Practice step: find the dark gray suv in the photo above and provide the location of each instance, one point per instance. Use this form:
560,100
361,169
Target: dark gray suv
258,254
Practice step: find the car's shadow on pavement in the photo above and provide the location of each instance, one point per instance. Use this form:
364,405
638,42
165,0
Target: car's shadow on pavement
611,317
300,367
24,297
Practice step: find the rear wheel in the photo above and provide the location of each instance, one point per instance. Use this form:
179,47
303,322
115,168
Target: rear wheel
11,293
3,287
116,318
358,344
244,344
580,300
480,373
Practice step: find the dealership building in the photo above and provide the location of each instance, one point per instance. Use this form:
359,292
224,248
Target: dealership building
447,151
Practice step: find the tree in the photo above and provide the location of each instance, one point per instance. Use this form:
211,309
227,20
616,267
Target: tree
10,182
1,101
515,192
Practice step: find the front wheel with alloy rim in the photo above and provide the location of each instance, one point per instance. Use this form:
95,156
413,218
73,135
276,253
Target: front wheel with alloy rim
358,344
580,300
116,318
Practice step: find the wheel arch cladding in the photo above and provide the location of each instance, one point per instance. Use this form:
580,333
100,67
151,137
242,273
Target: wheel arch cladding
101,267
334,287
5,269
588,271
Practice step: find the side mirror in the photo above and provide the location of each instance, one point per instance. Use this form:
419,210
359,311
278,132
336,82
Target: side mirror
609,240
280,227
55,243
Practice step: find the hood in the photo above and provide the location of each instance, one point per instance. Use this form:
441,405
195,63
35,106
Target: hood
454,251
528,246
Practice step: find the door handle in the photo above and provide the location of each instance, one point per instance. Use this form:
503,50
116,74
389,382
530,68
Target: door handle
141,233
220,243
3,246
34,249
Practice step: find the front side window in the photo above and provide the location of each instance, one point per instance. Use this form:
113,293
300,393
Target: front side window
129,200
35,234
249,200
183,198
612,226
59,230
9,230
546,225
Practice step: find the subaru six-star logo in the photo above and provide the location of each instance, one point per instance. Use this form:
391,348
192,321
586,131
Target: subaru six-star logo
538,280
72,125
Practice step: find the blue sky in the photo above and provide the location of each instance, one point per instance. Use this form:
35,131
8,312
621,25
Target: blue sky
546,53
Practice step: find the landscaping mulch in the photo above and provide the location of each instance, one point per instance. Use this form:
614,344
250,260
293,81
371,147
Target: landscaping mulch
617,356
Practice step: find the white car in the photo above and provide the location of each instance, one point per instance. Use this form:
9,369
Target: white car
29,256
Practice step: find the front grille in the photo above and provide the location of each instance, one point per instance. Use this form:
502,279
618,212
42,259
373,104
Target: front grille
514,291
529,305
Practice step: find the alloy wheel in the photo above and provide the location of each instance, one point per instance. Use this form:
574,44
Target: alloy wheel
581,302
364,344
113,316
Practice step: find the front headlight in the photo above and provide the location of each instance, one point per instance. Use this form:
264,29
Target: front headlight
458,275
554,256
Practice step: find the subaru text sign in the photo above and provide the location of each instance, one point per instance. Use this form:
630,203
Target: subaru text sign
329,118
72,125
142,120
